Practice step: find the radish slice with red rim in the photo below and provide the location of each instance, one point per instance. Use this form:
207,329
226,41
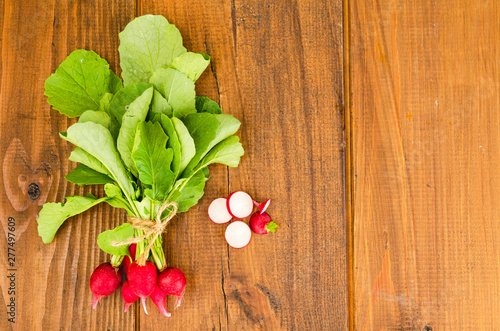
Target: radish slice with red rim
262,206
238,234
239,204
217,211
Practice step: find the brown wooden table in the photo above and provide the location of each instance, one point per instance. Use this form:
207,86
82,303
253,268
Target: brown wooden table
373,126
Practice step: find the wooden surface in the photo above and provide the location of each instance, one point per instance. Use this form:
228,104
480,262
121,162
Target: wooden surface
373,126
273,71
52,291
425,87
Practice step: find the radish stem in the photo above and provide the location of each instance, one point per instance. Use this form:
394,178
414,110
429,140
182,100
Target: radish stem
116,260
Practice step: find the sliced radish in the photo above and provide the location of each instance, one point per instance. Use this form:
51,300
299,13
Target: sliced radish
262,206
239,204
217,211
238,234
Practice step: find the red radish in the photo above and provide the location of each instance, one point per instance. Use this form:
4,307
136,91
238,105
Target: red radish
238,234
172,281
126,260
239,204
104,281
262,223
142,280
263,206
126,263
132,249
217,211
159,298
128,295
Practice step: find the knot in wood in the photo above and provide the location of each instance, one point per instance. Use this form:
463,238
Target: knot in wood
33,191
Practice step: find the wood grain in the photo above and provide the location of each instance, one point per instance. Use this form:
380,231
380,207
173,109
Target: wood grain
278,68
52,289
425,98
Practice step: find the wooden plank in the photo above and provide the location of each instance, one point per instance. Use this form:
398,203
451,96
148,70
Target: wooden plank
193,243
278,68
51,283
425,80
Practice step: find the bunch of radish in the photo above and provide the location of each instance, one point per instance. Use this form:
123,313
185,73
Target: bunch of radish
240,205
142,282
149,139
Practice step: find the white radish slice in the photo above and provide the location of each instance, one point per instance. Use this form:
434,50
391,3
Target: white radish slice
262,206
217,211
240,204
238,234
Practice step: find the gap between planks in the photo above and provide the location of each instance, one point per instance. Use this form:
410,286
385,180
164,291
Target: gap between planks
349,173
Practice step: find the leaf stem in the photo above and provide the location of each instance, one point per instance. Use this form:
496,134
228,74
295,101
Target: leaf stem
116,260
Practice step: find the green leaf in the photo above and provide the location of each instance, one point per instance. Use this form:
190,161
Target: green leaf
153,159
79,83
83,175
228,152
53,215
105,102
144,207
80,156
207,105
188,191
201,127
271,226
135,114
116,198
147,44
206,173
96,116
123,98
105,105
177,89
228,125
97,141
160,105
119,234
187,148
115,83
191,64
173,143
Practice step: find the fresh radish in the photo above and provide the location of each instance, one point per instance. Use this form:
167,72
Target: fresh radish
262,223
238,234
142,280
104,281
217,211
172,281
126,260
128,295
262,206
239,204
160,298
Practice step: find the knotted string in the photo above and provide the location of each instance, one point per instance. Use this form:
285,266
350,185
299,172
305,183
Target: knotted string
152,228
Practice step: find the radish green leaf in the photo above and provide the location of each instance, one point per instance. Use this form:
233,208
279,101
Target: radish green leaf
191,64
147,44
119,234
83,175
177,89
53,215
97,141
79,83
123,98
207,105
135,114
153,159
